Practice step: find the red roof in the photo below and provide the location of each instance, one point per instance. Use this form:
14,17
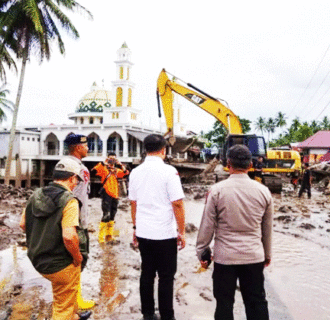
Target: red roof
326,157
320,139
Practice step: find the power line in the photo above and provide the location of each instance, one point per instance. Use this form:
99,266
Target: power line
307,87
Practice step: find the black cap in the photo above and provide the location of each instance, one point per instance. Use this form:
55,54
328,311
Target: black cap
73,139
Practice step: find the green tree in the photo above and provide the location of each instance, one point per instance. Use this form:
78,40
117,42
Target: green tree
315,126
280,120
270,127
5,104
32,25
260,125
219,132
325,123
246,124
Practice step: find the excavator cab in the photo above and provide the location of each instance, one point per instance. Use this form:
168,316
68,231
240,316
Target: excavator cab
256,145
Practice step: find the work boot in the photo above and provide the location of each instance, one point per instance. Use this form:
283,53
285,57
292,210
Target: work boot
85,315
84,304
102,231
109,232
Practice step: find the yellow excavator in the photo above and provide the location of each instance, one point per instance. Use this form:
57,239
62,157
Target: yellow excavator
276,161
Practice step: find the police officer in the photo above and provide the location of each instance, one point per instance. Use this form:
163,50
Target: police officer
78,149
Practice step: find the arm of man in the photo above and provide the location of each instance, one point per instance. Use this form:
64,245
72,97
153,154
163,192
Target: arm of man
70,221
71,242
179,213
22,223
133,214
207,228
267,230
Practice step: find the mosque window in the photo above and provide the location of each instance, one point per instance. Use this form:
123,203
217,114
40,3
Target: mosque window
22,138
119,98
28,139
101,120
133,116
129,97
81,120
91,120
2,163
121,73
127,73
115,115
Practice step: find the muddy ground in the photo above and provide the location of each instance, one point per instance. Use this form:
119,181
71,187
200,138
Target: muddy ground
111,277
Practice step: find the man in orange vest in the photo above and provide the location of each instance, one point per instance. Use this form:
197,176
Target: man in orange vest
110,193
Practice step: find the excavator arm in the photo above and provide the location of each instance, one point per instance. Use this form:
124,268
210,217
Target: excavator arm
165,89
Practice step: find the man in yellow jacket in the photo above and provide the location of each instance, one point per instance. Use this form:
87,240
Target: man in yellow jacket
110,193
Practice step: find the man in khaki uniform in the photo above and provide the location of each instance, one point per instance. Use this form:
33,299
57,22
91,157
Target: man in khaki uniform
239,214
51,223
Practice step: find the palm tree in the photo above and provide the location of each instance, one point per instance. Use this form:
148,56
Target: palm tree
32,26
325,123
280,120
270,127
260,125
295,124
4,103
315,126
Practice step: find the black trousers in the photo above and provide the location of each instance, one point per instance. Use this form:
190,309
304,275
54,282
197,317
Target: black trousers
158,256
109,207
251,280
303,188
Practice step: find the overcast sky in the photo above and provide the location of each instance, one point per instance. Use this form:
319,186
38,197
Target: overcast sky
262,57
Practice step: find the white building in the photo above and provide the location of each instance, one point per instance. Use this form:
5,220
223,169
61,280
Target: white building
109,119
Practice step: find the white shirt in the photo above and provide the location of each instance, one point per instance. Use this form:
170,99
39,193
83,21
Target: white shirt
154,185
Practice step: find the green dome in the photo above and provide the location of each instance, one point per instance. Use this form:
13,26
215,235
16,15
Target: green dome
95,100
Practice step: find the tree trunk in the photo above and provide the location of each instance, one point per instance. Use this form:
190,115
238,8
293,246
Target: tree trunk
13,126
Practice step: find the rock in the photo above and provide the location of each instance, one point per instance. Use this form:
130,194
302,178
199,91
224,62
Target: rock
190,227
307,226
284,218
284,209
199,195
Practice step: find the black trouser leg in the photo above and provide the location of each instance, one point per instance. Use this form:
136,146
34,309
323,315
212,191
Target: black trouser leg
166,267
251,278
148,274
158,256
109,207
224,286
309,193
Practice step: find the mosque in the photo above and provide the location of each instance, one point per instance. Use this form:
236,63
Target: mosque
109,119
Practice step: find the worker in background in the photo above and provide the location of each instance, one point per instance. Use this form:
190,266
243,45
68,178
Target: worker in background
239,215
51,223
78,149
158,217
258,169
306,182
109,193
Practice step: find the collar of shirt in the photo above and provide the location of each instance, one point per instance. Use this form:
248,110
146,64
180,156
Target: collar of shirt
239,176
153,158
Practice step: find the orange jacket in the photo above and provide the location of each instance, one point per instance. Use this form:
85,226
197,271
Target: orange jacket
111,185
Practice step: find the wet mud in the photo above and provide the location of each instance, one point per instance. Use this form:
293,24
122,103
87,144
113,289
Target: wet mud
111,278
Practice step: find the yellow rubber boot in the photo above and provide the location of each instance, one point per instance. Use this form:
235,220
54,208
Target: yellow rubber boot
84,304
102,231
109,232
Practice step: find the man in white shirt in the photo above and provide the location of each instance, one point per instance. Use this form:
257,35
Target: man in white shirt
239,215
158,219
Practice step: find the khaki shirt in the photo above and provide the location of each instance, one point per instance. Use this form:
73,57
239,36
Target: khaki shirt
239,214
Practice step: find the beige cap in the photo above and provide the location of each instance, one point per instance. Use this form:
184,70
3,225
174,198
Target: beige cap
70,166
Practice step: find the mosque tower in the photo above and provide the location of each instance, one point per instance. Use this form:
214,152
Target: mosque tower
123,110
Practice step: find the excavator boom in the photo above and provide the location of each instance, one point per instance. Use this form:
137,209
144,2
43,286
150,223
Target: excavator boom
165,89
